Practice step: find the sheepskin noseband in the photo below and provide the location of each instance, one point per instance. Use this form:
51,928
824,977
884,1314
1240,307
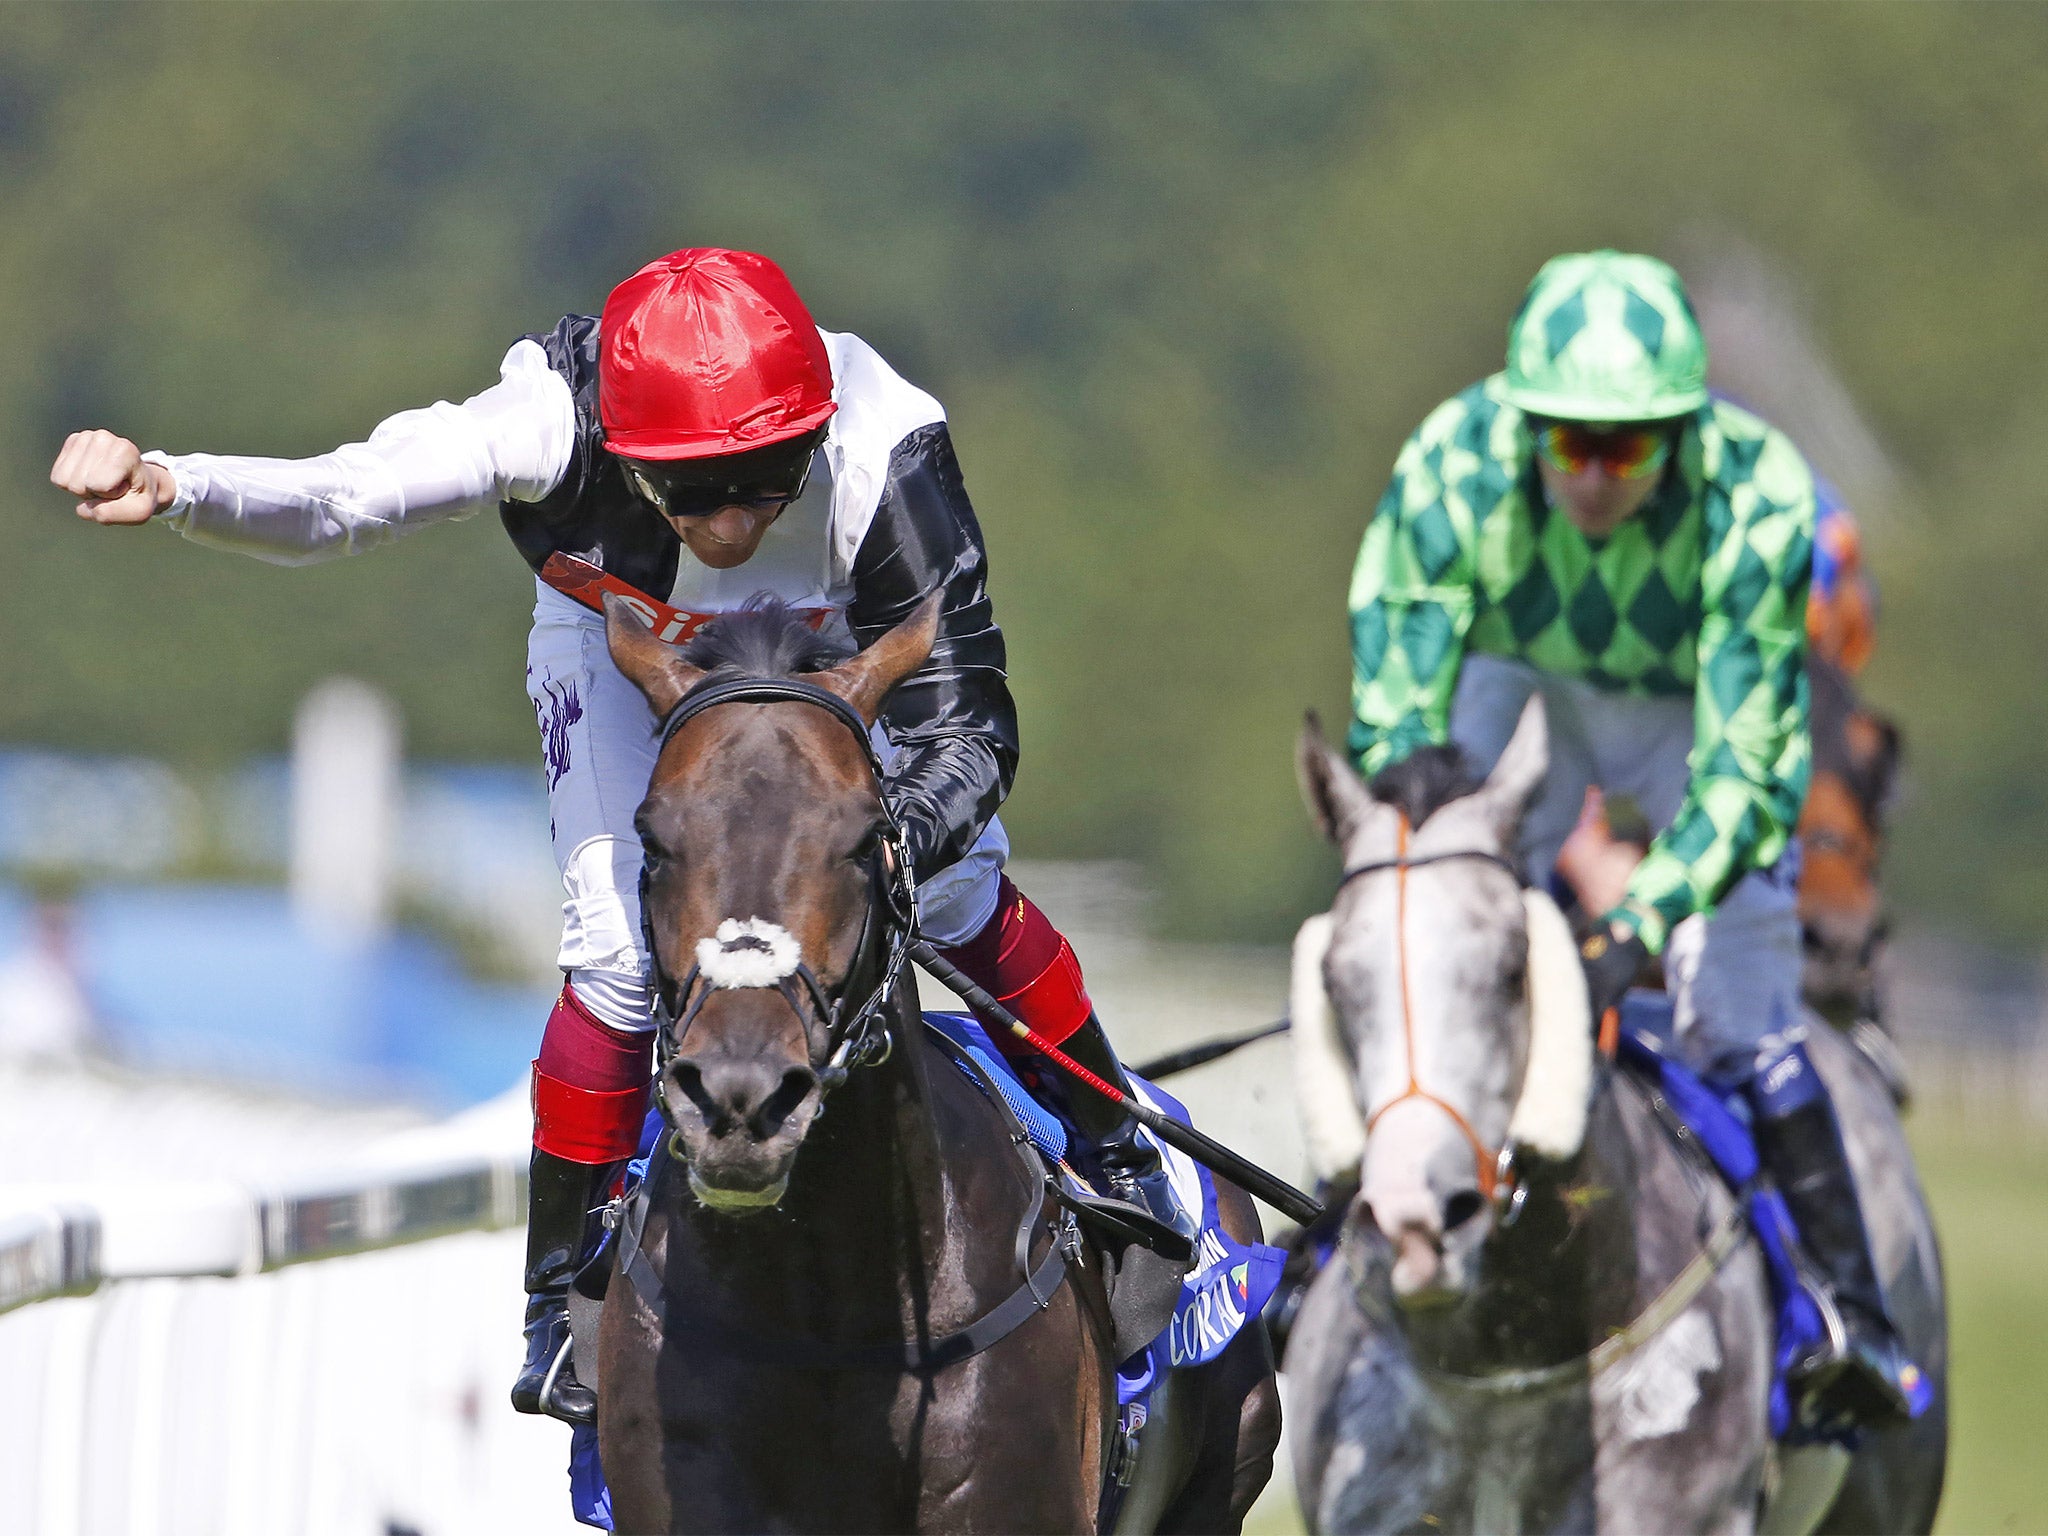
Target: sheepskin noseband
748,952
1549,1116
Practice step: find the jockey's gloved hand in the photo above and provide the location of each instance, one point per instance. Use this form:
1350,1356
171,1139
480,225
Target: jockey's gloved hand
1613,957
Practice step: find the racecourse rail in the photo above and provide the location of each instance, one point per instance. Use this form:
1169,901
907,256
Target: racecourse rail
73,1242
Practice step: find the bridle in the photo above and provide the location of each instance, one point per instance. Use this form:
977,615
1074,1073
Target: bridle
857,1035
1495,1167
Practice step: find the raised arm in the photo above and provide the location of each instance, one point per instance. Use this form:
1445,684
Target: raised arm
440,463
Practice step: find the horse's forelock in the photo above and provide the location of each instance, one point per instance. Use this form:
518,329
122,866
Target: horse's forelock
766,638
1424,782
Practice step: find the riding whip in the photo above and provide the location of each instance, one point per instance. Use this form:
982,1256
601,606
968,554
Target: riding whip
1213,1155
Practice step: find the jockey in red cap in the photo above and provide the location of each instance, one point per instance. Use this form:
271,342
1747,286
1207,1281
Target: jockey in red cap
699,444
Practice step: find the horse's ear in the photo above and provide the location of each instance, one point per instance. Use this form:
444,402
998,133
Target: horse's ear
651,666
1504,797
1335,794
866,680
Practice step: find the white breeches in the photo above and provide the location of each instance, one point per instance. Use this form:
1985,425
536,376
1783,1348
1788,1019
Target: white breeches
1734,973
598,746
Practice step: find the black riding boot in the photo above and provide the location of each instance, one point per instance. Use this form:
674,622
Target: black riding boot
1869,1379
562,1199
1129,1164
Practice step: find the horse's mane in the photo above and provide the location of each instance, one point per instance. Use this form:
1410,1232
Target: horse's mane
1424,782
766,638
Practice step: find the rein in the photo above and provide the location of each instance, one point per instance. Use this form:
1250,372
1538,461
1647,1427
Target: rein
1494,1166
1683,1290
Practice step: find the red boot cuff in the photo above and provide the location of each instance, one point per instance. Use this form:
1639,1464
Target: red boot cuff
583,1125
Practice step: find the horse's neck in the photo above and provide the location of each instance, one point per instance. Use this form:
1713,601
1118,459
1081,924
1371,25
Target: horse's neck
1568,1270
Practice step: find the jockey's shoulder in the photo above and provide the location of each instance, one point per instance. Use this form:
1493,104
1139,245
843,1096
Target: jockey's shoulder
877,405
1742,449
1471,419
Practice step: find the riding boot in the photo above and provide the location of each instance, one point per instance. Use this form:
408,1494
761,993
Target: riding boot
1864,1374
1128,1162
562,1200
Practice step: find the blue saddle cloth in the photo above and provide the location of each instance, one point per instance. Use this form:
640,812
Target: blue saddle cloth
1718,1117
1228,1286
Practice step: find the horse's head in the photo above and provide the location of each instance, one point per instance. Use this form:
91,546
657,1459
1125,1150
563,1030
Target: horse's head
1841,832
1459,1003
770,859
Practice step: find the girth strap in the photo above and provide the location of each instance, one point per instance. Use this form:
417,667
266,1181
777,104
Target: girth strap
986,1331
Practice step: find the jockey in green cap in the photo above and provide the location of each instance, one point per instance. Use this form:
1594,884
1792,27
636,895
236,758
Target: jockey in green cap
1589,524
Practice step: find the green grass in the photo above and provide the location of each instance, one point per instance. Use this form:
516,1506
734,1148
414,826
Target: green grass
1988,1181
1989,1187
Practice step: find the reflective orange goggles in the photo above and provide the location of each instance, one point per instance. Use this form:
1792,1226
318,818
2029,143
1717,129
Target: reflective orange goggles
1626,453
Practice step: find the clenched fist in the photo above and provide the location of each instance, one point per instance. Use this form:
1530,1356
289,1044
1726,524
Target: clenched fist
108,476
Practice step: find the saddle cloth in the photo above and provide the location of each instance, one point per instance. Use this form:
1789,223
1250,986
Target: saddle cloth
1718,1117
1228,1286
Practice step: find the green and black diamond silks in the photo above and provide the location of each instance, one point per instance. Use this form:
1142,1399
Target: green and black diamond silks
1701,594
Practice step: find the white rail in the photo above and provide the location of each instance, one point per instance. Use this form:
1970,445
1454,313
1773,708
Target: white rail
67,1241
186,1369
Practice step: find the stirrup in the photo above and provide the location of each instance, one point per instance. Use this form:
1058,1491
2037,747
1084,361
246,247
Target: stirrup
556,1393
1124,1221
1860,1377
1150,1191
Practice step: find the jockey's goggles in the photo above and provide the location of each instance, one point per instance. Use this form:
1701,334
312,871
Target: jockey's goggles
1625,453
763,481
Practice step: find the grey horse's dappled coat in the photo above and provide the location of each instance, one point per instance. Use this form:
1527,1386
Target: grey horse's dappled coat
1584,1347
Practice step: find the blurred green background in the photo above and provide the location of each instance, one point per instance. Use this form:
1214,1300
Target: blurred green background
1184,275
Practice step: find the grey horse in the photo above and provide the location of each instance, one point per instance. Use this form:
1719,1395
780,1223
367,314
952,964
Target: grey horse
1546,1313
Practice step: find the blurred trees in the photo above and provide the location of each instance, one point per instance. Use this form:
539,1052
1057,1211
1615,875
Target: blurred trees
1184,276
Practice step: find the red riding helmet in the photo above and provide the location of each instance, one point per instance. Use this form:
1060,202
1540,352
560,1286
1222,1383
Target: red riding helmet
707,353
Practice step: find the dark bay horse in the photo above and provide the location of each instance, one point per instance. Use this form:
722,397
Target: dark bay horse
1545,1314
825,1332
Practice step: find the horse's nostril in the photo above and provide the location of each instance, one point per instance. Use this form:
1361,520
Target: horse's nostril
689,1080
789,1094
1461,1208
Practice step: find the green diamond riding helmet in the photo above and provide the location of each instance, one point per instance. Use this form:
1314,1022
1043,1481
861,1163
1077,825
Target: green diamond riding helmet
1604,336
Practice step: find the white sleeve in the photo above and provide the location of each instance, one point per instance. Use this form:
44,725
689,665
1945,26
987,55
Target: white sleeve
513,442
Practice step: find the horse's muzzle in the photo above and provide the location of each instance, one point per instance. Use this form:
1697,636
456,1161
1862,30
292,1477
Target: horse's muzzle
737,1122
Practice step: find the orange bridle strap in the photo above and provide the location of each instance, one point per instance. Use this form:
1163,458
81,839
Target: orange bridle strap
1486,1162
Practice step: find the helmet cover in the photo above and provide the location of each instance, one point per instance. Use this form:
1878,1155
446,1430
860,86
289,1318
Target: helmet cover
708,352
1604,336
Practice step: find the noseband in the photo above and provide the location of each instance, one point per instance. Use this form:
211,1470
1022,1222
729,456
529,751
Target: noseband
1495,1169
855,1036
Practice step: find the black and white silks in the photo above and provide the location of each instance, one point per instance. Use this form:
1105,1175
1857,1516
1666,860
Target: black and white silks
885,524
